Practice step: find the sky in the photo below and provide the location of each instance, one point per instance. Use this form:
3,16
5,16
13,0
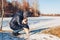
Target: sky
48,6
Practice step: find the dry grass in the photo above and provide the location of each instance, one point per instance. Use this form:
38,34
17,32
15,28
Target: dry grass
54,31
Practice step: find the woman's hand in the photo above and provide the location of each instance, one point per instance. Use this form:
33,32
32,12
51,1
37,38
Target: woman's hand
24,21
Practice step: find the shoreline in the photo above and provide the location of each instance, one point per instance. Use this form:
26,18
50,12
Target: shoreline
53,31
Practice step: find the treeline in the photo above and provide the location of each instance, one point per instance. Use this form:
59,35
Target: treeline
11,7
50,14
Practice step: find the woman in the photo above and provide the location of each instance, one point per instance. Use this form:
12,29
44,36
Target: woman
19,22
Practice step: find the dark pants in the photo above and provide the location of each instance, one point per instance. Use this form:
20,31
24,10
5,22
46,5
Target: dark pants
24,26
17,28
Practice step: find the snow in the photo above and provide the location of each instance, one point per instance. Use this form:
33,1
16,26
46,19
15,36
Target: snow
36,23
43,37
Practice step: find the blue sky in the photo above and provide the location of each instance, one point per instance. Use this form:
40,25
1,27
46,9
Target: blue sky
49,6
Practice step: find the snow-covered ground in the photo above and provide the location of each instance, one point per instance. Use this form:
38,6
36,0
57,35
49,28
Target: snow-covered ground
35,24
43,37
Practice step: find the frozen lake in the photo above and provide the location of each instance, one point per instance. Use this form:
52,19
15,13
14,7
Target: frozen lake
36,22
